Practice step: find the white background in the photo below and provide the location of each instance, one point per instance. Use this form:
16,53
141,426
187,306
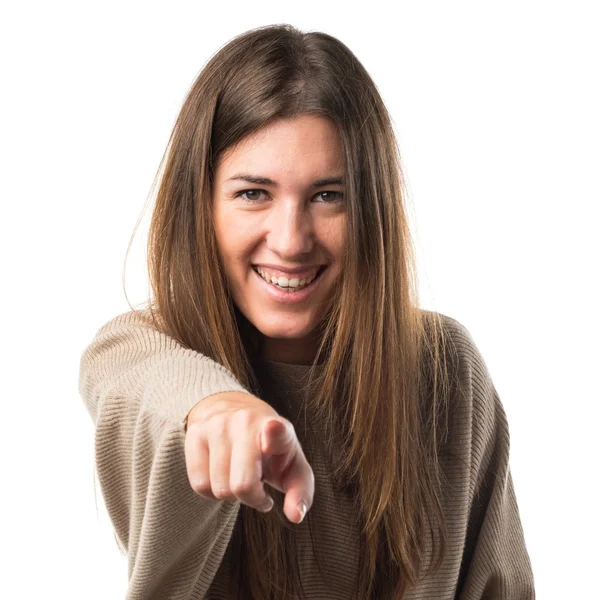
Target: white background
496,110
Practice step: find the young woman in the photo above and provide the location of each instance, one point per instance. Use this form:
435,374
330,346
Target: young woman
282,420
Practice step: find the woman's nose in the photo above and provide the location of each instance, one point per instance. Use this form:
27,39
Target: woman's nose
291,233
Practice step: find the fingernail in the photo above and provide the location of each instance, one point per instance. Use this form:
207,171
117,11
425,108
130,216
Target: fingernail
302,510
268,505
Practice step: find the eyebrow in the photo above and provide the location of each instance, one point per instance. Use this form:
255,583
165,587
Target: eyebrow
260,180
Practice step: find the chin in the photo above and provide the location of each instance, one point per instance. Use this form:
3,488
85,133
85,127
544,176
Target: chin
287,331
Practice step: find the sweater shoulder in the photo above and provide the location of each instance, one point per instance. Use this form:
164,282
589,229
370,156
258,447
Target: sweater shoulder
463,349
140,317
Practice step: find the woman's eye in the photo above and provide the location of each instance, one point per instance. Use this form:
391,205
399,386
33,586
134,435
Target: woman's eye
245,198
329,197
333,196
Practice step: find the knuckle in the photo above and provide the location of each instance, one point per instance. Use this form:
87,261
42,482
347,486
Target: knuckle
219,425
221,492
242,487
243,417
201,485
193,425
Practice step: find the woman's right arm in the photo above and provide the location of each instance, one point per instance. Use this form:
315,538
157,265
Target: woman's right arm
139,385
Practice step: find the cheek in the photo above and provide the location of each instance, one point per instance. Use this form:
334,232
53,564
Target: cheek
236,252
332,236
232,237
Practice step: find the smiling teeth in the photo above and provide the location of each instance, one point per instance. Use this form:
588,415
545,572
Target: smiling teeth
284,282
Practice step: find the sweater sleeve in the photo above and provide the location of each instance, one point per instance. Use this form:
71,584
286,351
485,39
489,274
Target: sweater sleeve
495,563
138,385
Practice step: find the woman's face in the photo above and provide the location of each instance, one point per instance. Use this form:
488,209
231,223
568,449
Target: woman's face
274,213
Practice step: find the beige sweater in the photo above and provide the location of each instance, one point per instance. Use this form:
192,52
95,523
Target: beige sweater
139,384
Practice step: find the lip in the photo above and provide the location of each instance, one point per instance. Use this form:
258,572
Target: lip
289,297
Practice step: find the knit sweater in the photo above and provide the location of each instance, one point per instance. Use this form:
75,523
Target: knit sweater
138,385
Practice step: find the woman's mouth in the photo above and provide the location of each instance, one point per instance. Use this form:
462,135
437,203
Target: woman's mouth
292,290
291,283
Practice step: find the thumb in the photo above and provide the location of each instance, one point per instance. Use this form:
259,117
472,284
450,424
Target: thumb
278,436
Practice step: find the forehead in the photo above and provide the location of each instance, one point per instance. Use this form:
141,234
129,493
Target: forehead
305,146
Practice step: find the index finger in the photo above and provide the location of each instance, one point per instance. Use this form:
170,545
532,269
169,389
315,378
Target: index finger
288,470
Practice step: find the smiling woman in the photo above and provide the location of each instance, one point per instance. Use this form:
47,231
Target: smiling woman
288,235
284,347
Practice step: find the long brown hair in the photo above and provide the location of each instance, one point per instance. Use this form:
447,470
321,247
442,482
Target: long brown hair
385,369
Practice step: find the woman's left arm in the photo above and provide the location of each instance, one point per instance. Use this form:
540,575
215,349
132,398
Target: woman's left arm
495,563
